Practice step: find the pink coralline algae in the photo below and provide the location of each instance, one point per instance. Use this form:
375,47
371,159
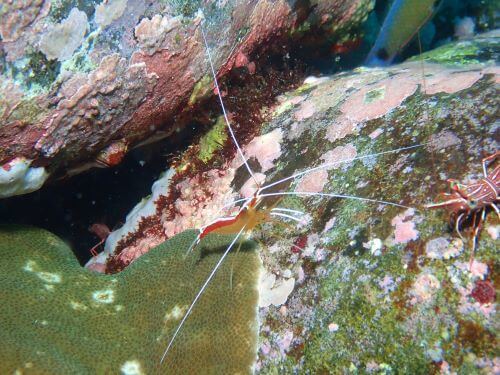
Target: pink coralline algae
404,230
477,269
375,100
199,202
374,134
250,186
241,60
451,83
338,155
265,148
305,111
314,182
370,102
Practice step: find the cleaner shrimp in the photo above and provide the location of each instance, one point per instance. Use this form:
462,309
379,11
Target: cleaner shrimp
254,210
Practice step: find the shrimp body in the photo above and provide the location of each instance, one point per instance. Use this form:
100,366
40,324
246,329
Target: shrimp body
249,216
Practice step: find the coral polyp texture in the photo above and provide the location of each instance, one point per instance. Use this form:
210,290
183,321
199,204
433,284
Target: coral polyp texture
78,76
58,317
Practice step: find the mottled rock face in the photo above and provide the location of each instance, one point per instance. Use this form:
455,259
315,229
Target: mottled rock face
60,318
77,77
365,285
383,288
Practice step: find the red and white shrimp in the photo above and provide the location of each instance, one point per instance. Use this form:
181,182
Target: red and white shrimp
469,202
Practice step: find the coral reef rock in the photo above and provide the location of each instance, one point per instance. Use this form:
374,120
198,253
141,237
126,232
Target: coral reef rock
58,317
78,77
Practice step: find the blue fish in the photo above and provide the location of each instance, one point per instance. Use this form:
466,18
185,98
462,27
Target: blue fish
403,21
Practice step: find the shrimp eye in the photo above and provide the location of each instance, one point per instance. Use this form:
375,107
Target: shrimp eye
472,203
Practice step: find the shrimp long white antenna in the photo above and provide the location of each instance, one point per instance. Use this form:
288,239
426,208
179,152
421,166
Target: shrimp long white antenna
332,195
230,204
200,292
240,151
286,216
288,210
328,165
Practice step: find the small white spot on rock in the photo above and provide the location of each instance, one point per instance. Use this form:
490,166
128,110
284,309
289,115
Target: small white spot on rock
333,327
374,245
103,296
312,80
493,231
131,368
287,274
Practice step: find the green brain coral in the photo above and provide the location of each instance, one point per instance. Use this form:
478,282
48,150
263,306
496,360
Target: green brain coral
58,317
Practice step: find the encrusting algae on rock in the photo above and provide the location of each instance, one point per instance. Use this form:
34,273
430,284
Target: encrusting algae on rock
58,317
55,56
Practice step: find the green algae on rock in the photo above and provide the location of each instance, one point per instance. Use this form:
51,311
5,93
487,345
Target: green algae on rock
60,318
482,48
213,141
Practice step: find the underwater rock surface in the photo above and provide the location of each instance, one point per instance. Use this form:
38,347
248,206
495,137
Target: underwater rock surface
356,285
383,289
81,83
60,318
